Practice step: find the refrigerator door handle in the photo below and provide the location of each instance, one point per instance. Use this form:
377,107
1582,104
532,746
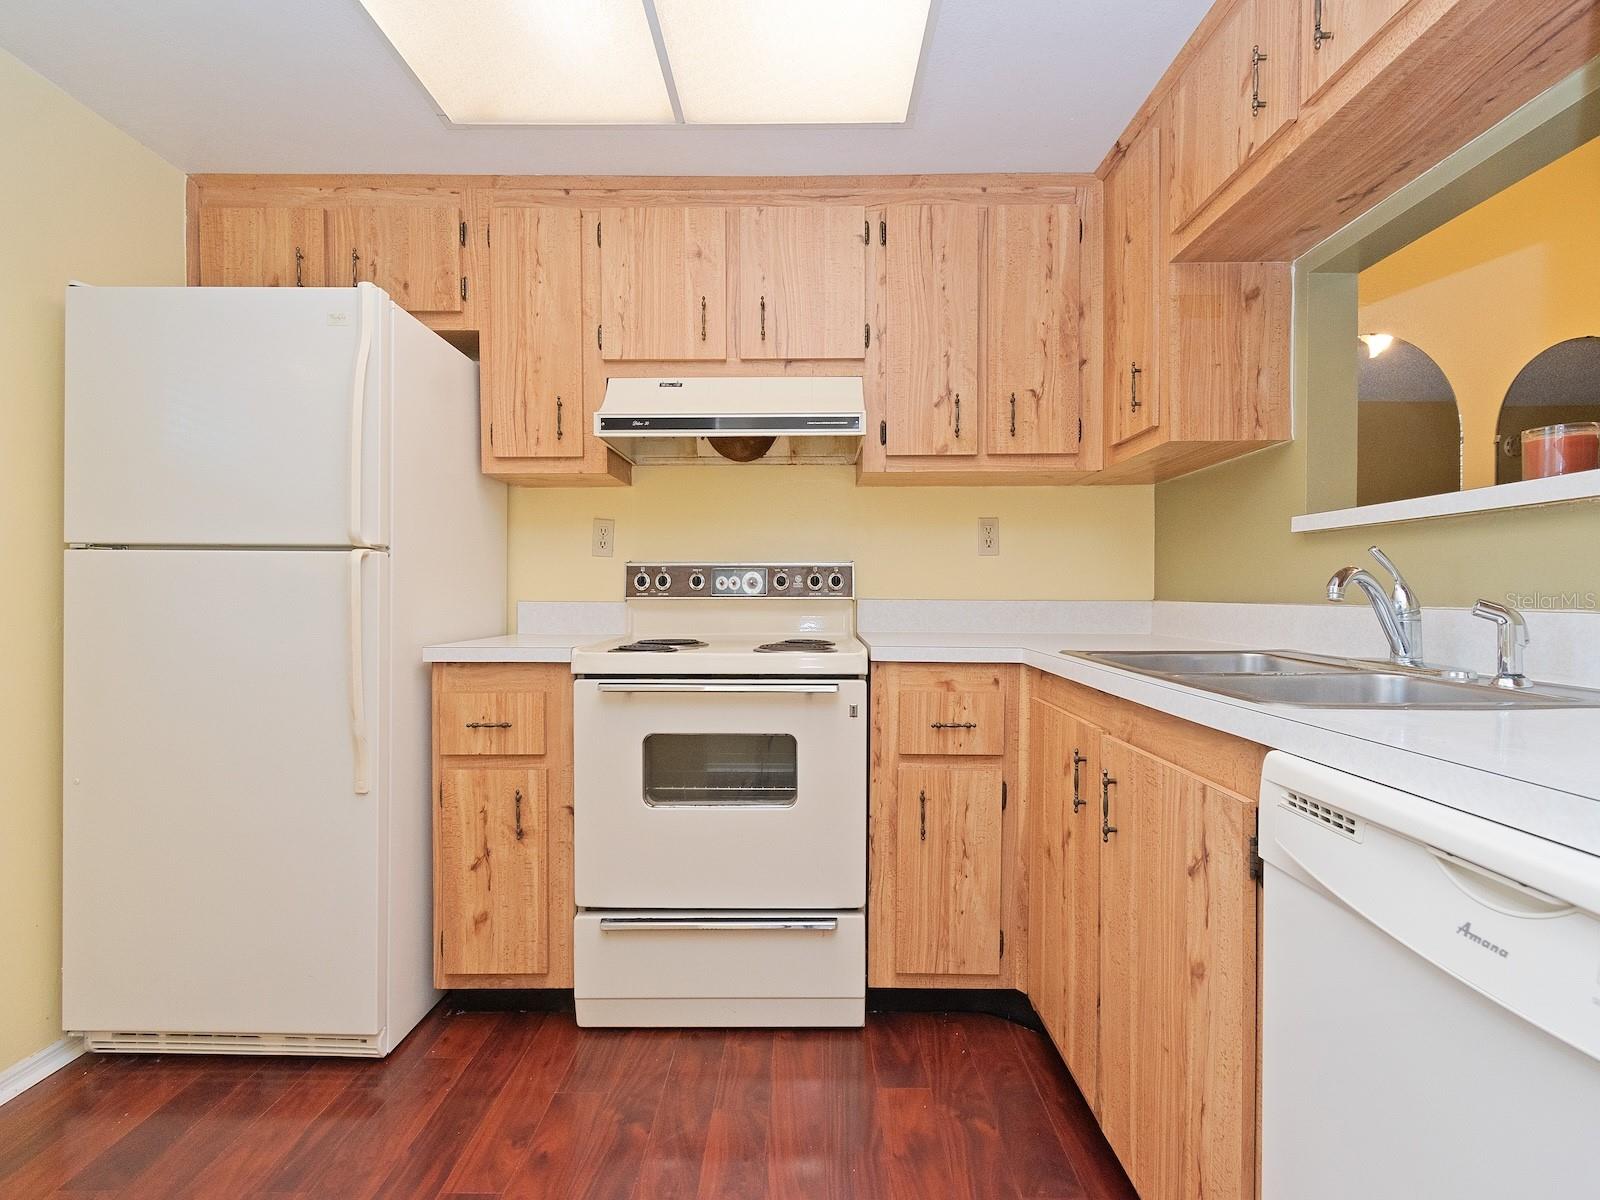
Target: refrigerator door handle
365,303
358,698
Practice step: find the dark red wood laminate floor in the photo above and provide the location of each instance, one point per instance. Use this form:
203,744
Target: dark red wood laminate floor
527,1106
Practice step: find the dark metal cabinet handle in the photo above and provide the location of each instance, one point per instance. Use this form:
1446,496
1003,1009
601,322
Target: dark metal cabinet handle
763,318
1013,414
922,815
953,725
958,415
558,418
355,259
1134,371
518,802
1256,59
1077,795
1318,33
299,267
702,318
488,724
1106,827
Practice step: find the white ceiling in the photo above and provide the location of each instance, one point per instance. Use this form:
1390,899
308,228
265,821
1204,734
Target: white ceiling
311,85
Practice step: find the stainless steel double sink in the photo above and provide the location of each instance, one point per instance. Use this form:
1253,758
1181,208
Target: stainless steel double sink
1315,681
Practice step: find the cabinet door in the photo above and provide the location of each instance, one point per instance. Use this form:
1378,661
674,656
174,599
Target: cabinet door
1032,396
1134,271
533,356
1332,35
663,283
802,281
262,247
492,871
1238,93
410,250
931,272
947,864
1177,979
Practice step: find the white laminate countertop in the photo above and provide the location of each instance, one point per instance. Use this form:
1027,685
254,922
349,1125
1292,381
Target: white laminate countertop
1534,770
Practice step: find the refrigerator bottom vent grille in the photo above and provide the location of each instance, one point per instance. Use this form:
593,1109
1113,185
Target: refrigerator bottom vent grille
232,1043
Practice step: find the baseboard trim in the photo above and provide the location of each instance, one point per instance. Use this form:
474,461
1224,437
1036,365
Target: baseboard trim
508,1000
1008,1003
20,1076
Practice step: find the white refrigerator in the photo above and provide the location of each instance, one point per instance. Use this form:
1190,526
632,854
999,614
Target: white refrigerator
273,502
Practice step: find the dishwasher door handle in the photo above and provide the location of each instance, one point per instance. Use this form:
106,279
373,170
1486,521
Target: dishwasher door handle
716,925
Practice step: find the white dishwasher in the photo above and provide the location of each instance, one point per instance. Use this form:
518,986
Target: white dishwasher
1430,999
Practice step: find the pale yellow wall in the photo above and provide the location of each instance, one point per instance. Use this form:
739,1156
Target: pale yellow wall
78,199
1055,543
1487,291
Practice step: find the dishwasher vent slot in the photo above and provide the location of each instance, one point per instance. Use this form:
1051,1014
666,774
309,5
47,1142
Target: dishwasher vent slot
1323,814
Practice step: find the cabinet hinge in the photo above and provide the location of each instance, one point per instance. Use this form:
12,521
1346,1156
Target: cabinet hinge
463,233
1080,229
866,335
883,433
599,341
1002,943
866,232
1002,795
1080,430
1257,867
597,233
488,234
441,943
883,232
441,786
463,287
491,435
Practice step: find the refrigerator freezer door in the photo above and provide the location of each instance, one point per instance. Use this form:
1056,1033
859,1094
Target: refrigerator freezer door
225,416
221,870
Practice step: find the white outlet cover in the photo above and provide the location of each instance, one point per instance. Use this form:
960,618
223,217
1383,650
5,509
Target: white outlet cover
988,536
605,537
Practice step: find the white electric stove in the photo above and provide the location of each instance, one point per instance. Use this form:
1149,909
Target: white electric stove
720,801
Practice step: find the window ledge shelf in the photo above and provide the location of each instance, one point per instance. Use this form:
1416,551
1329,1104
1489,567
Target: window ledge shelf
1529,493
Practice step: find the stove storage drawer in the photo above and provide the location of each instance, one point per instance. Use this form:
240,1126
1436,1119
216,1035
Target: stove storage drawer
694,967
497,722
951,710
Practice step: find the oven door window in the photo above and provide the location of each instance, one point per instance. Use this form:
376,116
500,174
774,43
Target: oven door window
742,770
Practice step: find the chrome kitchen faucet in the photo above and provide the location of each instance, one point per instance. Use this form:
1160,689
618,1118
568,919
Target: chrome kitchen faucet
1400,614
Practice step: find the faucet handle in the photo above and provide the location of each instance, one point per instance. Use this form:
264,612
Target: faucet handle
1405,600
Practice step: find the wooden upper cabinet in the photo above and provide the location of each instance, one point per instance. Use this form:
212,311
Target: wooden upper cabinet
802,281
948,865
492,866
1032,390
1332,35
533,346
1134,272
663,283
262,247
1241,89
932,267
411,249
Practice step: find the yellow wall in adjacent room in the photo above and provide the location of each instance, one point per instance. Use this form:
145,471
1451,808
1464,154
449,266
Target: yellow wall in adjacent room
78,200
1485,292
1061,543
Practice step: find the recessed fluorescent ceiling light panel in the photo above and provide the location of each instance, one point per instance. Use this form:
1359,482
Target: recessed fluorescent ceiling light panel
531,62
760,62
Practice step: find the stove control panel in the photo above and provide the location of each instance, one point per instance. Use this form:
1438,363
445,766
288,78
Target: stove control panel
794,581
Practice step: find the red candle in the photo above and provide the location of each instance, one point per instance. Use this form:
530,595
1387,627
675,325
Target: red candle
1560,449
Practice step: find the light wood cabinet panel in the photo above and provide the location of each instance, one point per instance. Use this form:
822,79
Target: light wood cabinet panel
1228,342
533,347
1332,35
932,272
663,283
1032,393
498,722
262,247
802,281
947,914
1239,92
1135,269
955,713
411,250
492,871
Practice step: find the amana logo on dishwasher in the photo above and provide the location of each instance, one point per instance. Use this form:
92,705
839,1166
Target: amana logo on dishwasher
1465,930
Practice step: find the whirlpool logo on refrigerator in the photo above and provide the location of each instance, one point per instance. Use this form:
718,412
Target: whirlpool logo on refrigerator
1465,930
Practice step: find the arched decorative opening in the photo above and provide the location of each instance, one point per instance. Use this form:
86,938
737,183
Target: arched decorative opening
1408,429
1558,386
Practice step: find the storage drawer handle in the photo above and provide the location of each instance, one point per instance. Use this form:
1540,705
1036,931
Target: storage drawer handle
732,924
1077,795
518,802
1106,827
740,689
953,725
488,724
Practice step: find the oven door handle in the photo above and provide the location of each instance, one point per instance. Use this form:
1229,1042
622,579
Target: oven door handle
745,689
730,924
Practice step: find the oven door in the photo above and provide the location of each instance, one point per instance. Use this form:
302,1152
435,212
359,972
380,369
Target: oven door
720,793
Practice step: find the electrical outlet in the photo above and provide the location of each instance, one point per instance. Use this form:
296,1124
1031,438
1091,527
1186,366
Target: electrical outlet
988,536
605,537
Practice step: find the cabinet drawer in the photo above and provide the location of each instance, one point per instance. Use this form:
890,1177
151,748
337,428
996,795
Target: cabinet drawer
491,723
953,716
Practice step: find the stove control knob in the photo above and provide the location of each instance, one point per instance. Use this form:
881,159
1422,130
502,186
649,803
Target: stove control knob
814,581
836,581
780,581
641,581
752,583
663,581
697,581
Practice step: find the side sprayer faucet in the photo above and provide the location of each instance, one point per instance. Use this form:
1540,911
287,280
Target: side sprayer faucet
1400,615
1510,637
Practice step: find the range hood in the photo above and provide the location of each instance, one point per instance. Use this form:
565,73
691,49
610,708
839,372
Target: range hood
787,419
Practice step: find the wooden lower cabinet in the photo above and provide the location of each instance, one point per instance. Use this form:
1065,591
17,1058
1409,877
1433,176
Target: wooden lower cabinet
502,843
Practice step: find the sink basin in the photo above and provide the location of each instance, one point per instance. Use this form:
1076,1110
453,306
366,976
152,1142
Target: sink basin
1375,689
1213,662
